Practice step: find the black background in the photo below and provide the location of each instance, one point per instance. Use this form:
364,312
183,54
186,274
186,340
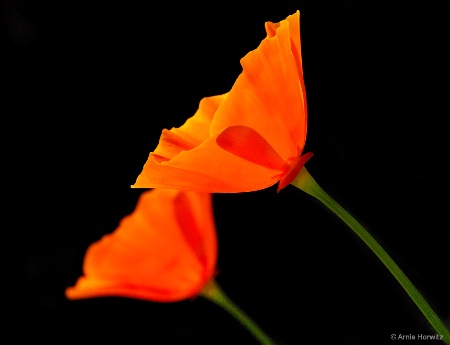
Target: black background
91,84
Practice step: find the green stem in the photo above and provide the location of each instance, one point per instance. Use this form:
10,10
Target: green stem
214,293
306,183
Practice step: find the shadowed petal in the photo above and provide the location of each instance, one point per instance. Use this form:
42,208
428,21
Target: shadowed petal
194,214
207,168
246,143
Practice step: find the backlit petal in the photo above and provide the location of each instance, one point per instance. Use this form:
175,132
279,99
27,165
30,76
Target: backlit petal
192,133
294,30
267,96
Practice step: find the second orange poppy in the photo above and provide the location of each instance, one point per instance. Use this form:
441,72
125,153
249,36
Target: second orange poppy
165,251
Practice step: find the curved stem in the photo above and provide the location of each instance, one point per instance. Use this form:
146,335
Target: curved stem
214,293
306,183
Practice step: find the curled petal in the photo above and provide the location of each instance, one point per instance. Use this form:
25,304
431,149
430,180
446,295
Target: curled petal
294,32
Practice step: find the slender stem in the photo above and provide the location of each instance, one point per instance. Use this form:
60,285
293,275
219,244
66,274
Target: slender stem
214,293
306,183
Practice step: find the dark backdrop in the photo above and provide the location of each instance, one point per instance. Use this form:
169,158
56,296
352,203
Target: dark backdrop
91,84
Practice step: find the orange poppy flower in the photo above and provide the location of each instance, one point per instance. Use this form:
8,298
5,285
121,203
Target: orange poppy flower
247,139
165,251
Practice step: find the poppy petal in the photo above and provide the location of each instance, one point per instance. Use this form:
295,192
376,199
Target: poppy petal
147,256
207,168
250,145
92,288
294,30
267,96
195,217
292,174
192,133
